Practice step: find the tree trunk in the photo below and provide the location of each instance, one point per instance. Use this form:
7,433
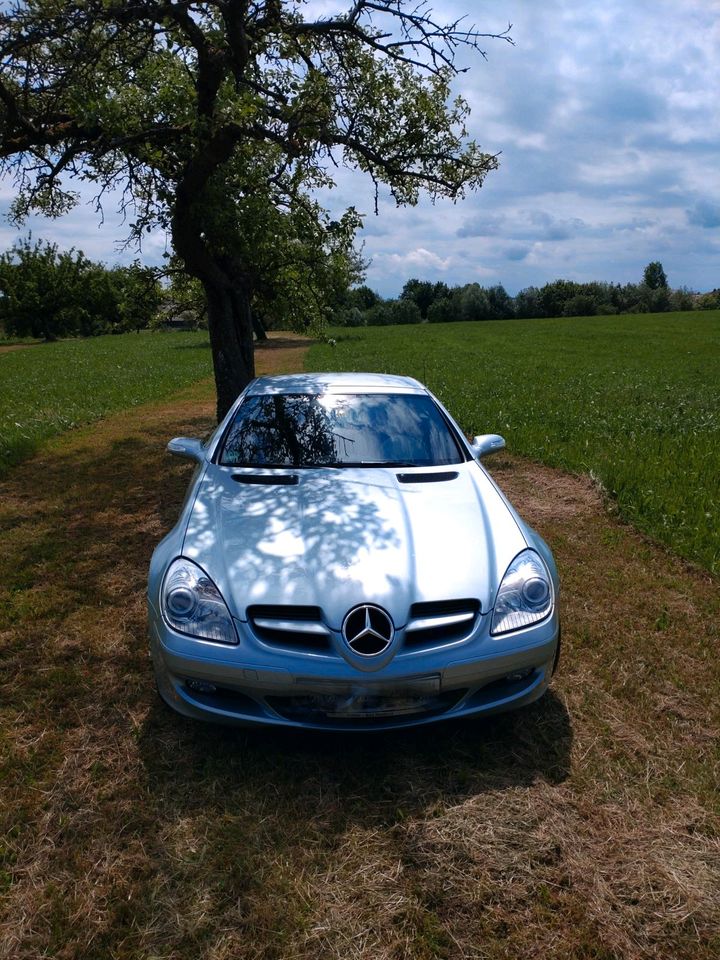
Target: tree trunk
224,282
231,339
258,327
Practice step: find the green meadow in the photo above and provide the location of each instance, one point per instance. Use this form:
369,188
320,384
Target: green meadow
632,400
48,388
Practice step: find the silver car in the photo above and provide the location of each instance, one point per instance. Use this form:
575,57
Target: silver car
343,561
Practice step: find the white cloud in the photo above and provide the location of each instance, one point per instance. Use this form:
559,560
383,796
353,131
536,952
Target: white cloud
418,259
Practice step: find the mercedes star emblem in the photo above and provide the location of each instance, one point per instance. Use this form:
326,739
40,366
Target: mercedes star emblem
368,630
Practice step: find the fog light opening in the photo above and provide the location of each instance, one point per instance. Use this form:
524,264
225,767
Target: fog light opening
200,686
518,675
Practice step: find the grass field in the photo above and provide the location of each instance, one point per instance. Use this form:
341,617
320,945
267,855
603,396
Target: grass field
584,828
632,400
48,388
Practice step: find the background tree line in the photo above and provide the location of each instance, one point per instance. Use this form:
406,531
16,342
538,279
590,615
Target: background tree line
48,293
422,300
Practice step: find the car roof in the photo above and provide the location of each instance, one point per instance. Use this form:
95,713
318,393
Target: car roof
316,383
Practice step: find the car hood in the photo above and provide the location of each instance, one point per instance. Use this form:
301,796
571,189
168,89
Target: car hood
341,537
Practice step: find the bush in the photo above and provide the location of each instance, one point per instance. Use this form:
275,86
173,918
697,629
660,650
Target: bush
709,301
581,305
442,311
377,316
354,318
403,311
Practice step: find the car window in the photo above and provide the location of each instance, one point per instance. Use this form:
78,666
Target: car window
301,430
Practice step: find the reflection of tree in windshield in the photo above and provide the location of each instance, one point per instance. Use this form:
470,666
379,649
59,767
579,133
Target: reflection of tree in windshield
331,430
281,430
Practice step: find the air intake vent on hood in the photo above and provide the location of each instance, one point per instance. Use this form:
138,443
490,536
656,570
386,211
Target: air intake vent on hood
427,477
267,479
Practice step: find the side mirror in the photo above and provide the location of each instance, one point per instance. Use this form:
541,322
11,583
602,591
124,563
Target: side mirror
188,448
487,443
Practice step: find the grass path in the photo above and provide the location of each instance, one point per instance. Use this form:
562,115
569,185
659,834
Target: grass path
9,347
585,827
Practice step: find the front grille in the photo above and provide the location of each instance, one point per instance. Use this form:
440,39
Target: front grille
362,711
290,627
440,622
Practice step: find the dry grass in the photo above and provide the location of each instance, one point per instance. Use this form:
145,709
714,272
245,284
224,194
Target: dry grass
586,827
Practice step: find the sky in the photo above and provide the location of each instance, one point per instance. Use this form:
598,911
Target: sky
606,118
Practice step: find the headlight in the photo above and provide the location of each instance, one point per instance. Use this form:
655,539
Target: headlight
525,595
192,604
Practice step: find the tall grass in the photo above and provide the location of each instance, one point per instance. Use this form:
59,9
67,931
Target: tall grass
634,400
48,388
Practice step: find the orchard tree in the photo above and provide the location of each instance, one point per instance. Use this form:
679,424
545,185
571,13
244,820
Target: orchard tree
39,288
139,296
50,293
194,110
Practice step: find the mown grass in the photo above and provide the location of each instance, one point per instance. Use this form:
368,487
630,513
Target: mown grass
585,827
46,389
632,400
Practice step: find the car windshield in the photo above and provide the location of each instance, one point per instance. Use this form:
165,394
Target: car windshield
340,430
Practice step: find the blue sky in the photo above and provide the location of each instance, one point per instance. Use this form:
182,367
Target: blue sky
606,116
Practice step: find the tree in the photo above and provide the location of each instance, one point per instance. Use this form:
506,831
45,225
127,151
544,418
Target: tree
500,301
47,293
444,310
654,276
472,303
424,293
139,296
527,303
709,301
553,297
362,297
580,305
209,114
403,311
683,299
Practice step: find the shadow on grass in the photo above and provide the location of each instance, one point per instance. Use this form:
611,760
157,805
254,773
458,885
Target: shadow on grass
364,779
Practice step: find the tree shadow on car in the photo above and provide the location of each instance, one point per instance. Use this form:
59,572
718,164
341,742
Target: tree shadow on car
353,778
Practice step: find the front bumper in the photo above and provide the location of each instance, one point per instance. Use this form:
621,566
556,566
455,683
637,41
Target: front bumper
254,684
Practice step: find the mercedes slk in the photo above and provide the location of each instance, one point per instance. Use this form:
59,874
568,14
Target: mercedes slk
344,561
